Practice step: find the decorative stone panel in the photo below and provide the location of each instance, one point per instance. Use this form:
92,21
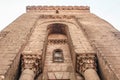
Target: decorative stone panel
85,61
32,62
57,41
57,17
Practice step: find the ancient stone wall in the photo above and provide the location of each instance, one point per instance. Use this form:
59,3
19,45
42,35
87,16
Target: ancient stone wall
102,37
12,45
87,34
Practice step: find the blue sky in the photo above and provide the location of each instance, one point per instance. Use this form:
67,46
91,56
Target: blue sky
106,9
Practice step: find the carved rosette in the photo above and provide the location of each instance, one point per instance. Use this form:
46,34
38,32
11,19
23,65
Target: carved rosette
86,61
32,62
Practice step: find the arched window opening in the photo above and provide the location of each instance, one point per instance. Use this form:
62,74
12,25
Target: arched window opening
58,55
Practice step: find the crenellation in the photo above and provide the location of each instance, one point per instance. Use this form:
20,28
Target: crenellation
57,8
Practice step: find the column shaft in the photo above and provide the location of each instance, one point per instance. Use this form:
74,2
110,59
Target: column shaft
27,74
91,74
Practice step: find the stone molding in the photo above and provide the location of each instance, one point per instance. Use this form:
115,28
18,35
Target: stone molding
57,41
56,17
28,8
32,62
86,61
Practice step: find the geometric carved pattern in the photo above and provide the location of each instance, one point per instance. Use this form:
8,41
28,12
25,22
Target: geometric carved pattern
32,62
85,61
57,41
56,17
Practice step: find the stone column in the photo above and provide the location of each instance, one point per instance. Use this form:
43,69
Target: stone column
91,74
31,66
86,65
27,74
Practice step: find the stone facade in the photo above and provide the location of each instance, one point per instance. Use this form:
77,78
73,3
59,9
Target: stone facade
59,43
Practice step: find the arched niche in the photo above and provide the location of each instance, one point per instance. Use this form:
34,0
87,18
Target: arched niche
57,33
56,28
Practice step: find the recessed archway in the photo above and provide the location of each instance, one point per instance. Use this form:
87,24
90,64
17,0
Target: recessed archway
57,28
58,52
57,33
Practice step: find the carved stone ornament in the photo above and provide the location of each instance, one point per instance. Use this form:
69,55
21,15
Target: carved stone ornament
57,41
86,61
32,62
57,8
56,17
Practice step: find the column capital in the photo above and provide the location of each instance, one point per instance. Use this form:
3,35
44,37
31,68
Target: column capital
32,62
86,61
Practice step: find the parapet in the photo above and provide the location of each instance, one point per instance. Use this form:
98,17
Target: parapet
37,8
